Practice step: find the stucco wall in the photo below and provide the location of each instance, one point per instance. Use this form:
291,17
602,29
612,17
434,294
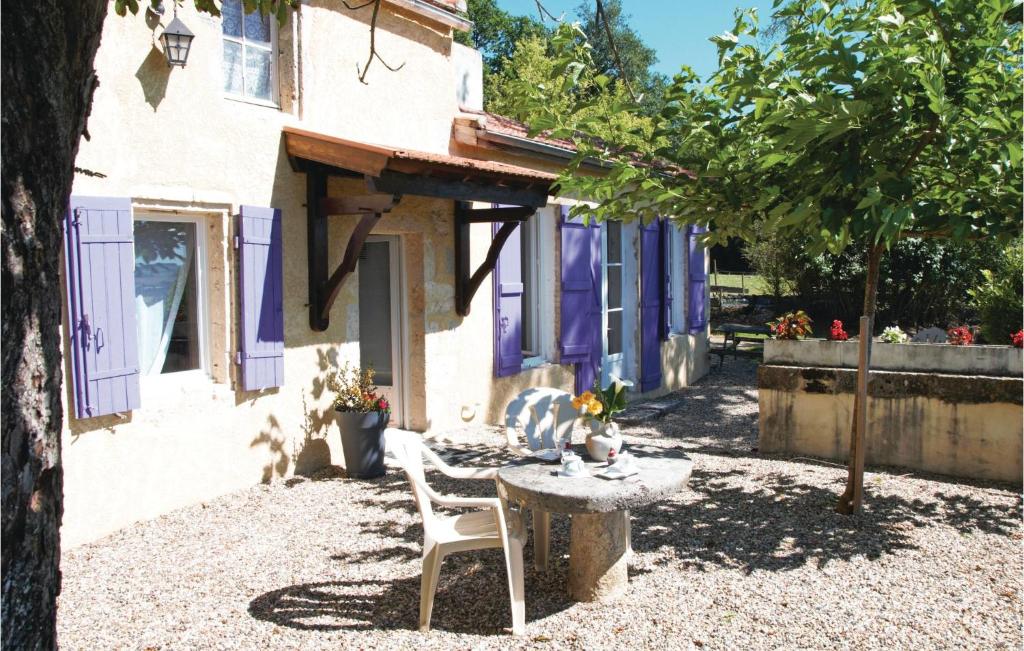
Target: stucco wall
171,141
960,425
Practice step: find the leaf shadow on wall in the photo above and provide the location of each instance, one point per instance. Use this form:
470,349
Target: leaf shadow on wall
311,453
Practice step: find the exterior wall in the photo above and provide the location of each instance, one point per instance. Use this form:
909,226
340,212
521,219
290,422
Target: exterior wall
171,141
965,426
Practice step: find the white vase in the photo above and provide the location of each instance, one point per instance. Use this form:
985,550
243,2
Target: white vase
603,438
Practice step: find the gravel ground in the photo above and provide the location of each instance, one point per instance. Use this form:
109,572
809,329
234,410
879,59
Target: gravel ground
751,557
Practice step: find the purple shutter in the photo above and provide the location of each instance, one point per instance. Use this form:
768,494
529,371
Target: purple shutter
652,286
580,336
261,298
508,306
698,280
100,270
666,268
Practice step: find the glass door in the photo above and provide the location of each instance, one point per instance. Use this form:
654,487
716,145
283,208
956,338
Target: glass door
380,319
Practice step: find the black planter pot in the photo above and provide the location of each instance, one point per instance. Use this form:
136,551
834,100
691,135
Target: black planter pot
362,441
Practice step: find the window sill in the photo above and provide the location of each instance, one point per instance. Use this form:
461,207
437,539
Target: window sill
180,380
241,99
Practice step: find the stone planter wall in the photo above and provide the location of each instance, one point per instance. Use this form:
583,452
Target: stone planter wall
955,410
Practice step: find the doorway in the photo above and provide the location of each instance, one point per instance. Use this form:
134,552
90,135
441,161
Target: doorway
382,320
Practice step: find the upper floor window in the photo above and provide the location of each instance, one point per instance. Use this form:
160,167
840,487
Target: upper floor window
248,52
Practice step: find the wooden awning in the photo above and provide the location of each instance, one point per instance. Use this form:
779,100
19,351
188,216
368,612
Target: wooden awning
406,171
389,174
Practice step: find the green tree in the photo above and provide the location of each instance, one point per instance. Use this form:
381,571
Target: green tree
496,33
999,298
531,64
864,123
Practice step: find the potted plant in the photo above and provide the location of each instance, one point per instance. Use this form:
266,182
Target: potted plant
362,415
599,406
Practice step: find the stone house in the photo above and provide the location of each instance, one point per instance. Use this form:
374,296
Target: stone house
241,225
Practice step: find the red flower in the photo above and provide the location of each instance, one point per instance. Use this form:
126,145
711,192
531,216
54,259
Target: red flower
961,336
837,333
382,404
1018,339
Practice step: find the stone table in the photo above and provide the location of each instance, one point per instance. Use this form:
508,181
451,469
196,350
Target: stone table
599,535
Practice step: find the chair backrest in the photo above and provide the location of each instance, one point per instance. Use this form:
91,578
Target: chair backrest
544,415
406,448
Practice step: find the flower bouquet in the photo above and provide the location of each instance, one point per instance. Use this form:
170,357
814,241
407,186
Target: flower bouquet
599,406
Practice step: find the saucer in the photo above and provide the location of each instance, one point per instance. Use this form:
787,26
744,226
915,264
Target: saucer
611,473
562,473
547,454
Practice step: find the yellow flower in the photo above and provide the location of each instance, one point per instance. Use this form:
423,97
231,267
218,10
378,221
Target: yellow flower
594,408
577,403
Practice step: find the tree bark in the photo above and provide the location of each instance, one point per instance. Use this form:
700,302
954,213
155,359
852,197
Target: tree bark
48,48
852,498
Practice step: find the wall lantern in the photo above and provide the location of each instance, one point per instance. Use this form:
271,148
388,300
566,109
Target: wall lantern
177,40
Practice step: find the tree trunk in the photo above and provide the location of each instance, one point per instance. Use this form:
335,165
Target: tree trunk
48,47
851,499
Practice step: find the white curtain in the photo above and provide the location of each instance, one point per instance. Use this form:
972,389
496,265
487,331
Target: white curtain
159,285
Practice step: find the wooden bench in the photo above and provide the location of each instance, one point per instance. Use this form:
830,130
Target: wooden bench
737,332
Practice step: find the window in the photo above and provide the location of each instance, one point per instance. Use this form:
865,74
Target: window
614,271
248,52
168,294
530,257
676,264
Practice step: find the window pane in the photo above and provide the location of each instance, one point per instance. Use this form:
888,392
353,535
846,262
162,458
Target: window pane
615,332
614,286
614,242
529,290
231,17
257,73
166,294
232,65
257,27
375,312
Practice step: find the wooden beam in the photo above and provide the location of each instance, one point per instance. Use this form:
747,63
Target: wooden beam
466,285
316,245
371,203
345,154
348,263
504,214
400,183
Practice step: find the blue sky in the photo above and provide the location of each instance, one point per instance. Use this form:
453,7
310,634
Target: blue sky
678,30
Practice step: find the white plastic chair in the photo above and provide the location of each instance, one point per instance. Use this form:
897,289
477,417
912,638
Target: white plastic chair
545,416
481,529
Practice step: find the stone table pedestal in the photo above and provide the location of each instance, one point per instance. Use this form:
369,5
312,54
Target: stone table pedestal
599,542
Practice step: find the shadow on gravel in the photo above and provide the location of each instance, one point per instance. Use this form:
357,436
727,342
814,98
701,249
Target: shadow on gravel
472,597
785,524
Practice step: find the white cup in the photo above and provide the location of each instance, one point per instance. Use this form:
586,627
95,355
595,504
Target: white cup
572,465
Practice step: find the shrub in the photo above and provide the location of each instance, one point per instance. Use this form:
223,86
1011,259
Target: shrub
791,325
893,335
998,298
961,336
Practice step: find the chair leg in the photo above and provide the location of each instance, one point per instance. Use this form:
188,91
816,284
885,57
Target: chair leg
514,569
541,538
428,584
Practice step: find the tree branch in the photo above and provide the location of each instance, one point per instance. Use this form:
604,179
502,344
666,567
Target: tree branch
373,44
615,51
922,142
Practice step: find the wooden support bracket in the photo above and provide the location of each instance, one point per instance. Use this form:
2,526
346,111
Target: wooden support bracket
466,284
323,289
